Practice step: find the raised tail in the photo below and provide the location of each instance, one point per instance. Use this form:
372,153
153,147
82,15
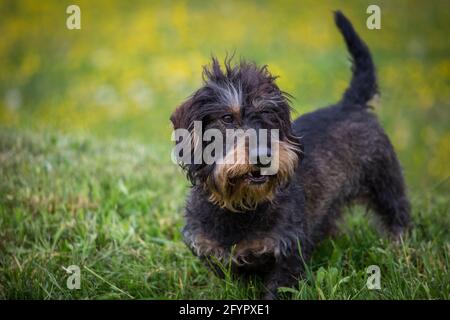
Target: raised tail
363,86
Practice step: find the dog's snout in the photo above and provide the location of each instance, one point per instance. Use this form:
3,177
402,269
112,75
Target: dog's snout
261,157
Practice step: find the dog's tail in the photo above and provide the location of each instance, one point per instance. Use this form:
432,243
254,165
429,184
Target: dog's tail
363,86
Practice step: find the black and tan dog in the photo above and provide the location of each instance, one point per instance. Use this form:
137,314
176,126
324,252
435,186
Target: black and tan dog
328,159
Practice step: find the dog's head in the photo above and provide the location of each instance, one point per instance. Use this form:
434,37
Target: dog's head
241,110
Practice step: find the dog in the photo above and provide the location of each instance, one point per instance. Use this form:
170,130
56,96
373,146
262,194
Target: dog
268,225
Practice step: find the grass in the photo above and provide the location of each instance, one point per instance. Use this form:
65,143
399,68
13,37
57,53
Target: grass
85,170
114,209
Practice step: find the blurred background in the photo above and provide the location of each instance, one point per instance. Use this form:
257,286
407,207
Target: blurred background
85,171
133,62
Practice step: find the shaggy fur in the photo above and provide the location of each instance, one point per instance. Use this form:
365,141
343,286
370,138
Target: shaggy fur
333,157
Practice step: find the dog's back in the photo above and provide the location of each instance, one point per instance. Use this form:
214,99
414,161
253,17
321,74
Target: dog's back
347,154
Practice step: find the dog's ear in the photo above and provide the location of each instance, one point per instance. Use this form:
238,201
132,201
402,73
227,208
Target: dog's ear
179,117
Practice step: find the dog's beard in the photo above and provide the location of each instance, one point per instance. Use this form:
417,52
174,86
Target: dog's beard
238,185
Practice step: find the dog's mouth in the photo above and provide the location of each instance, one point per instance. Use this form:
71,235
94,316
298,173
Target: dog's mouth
255,177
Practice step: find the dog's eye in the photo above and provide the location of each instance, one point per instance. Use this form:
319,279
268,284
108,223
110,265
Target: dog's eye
227,118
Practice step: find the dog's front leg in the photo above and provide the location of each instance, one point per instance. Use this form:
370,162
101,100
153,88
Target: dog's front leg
286,273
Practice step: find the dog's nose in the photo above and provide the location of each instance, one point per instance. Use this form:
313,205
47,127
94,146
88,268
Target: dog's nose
261,157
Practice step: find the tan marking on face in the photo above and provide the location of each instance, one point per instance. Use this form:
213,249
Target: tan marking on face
229,188
236,112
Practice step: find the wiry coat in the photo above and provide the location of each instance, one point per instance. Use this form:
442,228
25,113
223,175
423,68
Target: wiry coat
345,157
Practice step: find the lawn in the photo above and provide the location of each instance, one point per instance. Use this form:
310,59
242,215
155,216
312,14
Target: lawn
86,177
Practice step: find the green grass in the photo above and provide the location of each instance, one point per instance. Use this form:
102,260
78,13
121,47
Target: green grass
114,208
85,170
